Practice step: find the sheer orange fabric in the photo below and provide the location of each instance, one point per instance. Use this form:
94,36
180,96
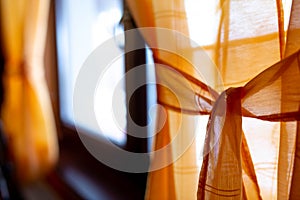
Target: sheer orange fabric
27,115
243,39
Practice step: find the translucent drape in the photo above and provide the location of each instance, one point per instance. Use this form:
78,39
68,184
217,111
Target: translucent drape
26,112
244,39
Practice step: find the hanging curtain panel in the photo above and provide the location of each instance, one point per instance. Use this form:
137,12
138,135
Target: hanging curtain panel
26,112
238,63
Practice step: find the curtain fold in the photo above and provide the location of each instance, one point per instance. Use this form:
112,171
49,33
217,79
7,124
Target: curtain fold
165,175
251,142
27,113
221,172
216,168
289,160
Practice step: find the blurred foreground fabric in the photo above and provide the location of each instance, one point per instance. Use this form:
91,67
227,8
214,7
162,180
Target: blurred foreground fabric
26,112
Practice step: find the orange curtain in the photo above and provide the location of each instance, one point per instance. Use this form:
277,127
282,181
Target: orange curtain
249,86
26,113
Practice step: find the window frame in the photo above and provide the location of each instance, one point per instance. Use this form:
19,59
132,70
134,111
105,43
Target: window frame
73,155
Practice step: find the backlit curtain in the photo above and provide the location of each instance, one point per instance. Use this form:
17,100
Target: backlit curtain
26,112
251,144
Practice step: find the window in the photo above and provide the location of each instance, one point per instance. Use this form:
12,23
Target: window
80,29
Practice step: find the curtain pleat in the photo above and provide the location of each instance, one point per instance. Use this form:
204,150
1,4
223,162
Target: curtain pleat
290,148
295,180
162,176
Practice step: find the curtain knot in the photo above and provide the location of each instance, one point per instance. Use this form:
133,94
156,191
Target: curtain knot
15,68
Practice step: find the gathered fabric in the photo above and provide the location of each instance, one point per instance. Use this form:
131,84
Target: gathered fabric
249,87
26,111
